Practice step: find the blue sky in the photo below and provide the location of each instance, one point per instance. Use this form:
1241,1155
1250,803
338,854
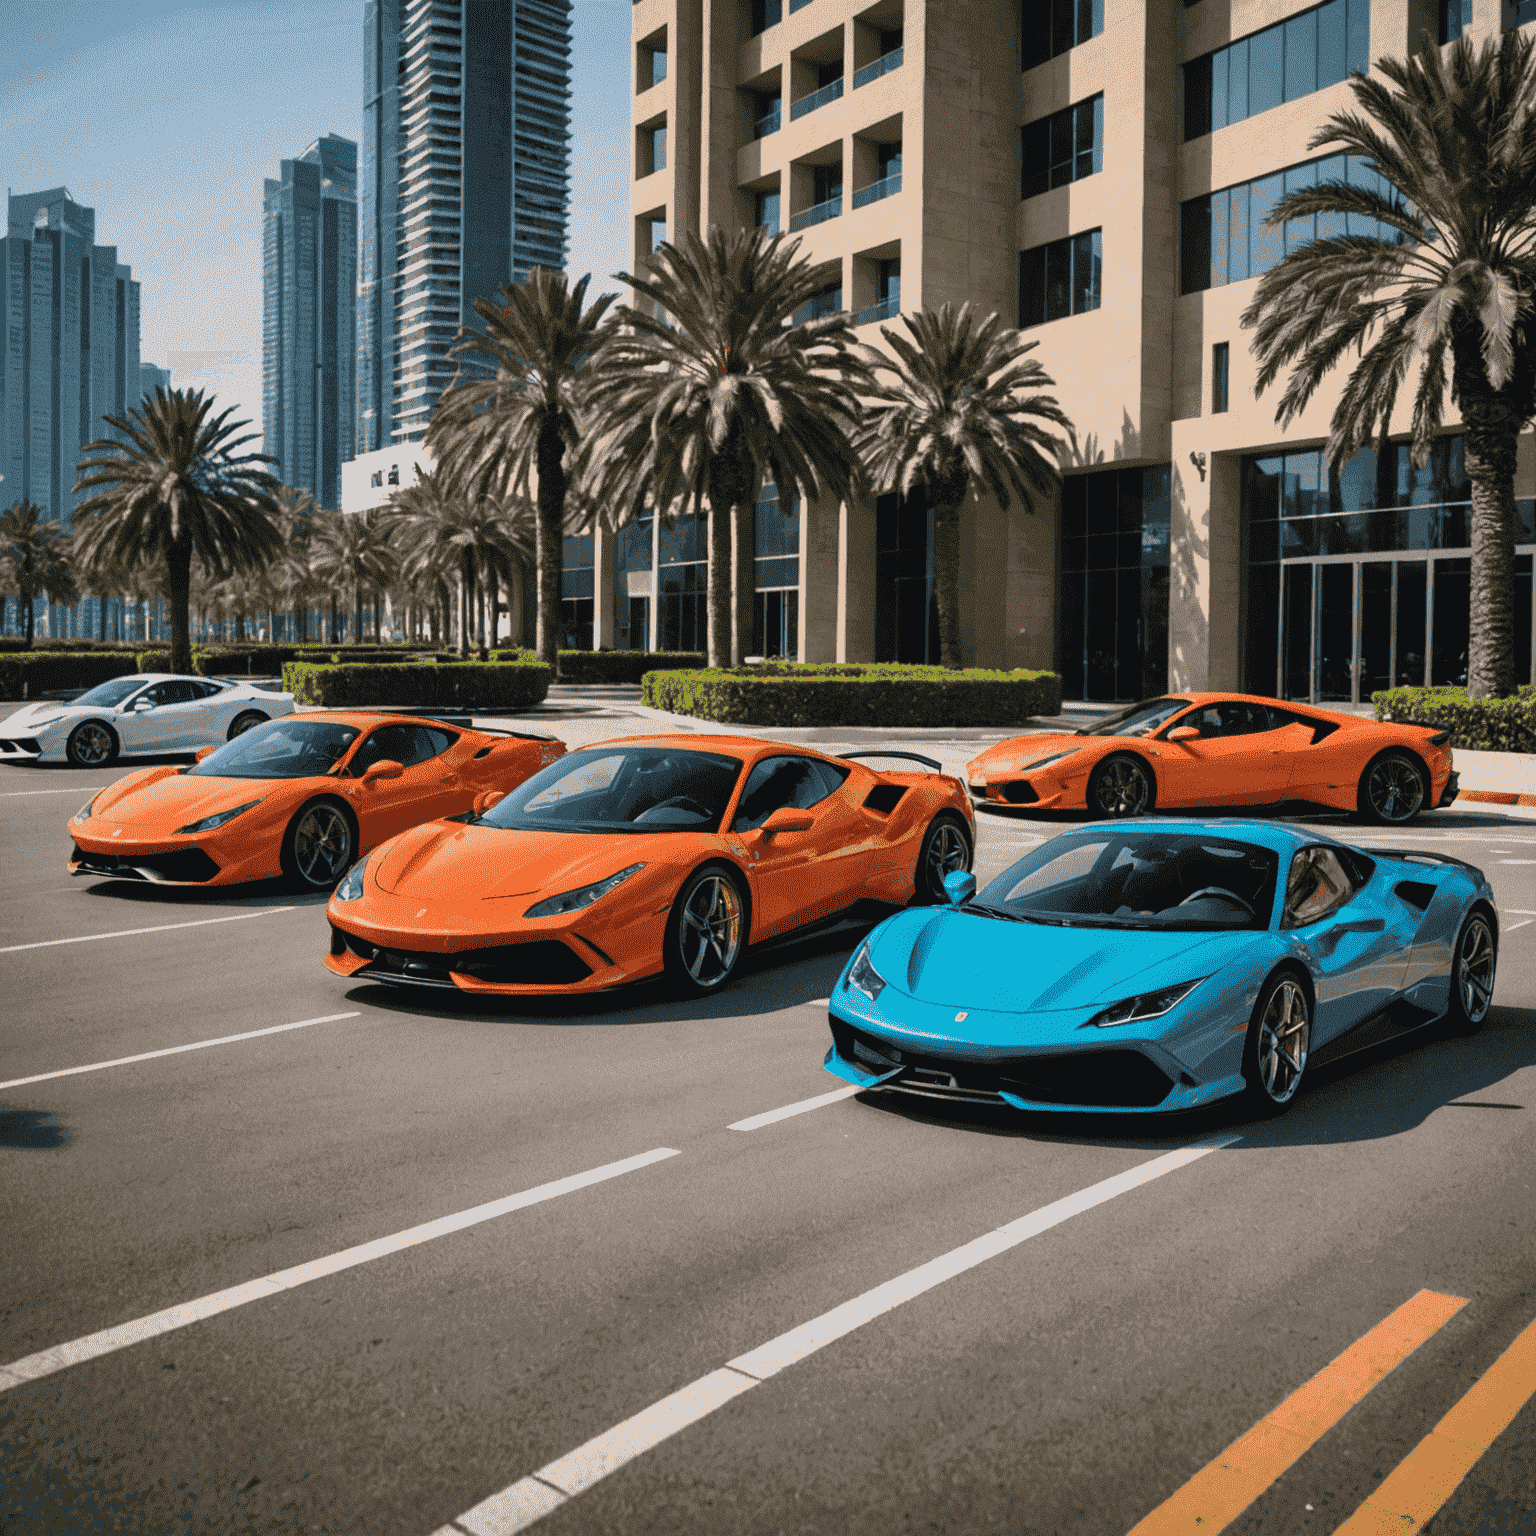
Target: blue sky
166,116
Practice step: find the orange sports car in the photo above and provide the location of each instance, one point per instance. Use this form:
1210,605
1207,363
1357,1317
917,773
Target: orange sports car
646,855
1206,749
300,796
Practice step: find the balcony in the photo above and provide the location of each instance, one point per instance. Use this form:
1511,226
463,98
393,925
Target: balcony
877,190
768,123
817,213
828,93
797,5
886,309
881,66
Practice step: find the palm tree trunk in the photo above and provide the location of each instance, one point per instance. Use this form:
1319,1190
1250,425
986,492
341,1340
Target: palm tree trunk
466,602
492,601
28,604
357,594
743,581
101,618
1489,447
946,578
719,585
549,531
378,616
178,587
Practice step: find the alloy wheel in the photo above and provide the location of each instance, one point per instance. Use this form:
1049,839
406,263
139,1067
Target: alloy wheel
1285,1032
1395,789
322,845
710,932
947,852
1122,789
1474,970
91,745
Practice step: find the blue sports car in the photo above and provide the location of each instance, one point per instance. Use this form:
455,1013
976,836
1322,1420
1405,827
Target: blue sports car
1157,965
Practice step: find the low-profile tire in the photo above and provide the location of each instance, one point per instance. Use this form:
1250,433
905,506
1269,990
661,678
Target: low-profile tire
320,844
1393,789
243,722
1473,963
1122,785
706,934
1278,1044
946,848
92,744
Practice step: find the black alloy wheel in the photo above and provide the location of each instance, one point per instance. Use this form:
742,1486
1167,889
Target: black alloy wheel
1393,788
1472,971
946,848
91,745
1279,1040
707,932
1121,786
319,846
242,723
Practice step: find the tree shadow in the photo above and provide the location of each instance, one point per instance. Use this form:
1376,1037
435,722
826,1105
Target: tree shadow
32,1130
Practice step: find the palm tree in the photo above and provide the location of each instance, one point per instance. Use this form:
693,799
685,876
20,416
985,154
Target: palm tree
175,486
1451,293
960,409
350,552
38,550
723,392
509,433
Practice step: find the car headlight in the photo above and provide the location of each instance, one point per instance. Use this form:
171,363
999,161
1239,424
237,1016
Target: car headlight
574,901
39,725
208,823
1045,762
1149,1005
351,887
83,814
863,975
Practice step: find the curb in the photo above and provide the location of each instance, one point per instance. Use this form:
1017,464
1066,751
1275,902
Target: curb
1496,797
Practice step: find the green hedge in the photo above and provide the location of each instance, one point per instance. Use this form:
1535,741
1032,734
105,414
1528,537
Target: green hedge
10,643
880,695
261,660
1476,725
418,685
623,666
29,675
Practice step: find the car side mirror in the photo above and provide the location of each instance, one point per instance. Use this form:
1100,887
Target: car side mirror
788,819
203,752
386,768
959,887
1183,733
139,705
487,798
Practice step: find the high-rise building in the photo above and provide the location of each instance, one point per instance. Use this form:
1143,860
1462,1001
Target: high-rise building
1098,172
465,185
152,378
309,324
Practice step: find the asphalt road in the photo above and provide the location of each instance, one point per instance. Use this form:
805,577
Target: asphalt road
1071,1377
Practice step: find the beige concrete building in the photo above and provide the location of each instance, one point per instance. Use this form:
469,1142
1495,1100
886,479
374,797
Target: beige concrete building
1098,171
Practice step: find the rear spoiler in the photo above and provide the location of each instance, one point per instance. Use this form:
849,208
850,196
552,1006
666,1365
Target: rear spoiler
464,722
911,757
1420,856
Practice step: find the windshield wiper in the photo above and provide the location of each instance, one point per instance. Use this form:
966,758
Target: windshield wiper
986,911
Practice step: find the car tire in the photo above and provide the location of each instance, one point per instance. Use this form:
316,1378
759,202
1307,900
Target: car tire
92,744
320,844
946,848
706,933
243,722
1473,964
1122,785
1273,1068
1393,789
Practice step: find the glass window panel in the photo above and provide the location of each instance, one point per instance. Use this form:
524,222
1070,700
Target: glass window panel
1409,669
1128,617
1220,356
1220,63
1062,15
1085,138
1097,129
1302,231
1375,626
1061,149
1058,279
1525,521
1197,98
1261,629
1354,486
1455,527
1071,659
1218,259
1237,233
1331,224
1266,70
1301,55
1035,148
1237,81
1332,44
1296,634
1261,488
1101,508
1358,46
1336,630
1036,39
1265,246
1128,502
1086,263
1453,617
1195,245
1095,20
1032,286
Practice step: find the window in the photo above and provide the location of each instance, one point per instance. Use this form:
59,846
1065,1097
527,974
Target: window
776,616
1059,279
1455,18
1285,62
1050,27
777,782
766,212
765,14
828,302
1062,148
576,592
403,744
656,234
1220,355
376,478
1317,885
653,150
765,111
653,67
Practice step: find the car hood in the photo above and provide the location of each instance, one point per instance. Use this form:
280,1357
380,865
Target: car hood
968,961
454,860
1012,755
166,799
22,722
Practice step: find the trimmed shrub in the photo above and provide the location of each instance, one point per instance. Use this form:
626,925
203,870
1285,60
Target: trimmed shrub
31,675
623,666
155,659
878,695
514,653
258,659
1476,725
418,685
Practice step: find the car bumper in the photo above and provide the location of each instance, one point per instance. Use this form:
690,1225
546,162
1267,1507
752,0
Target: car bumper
1042,796
1449,793
22,749
100,854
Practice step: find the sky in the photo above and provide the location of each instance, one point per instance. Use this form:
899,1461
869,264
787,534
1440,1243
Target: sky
166,116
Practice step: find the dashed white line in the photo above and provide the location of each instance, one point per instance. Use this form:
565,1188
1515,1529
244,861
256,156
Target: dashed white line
74,789
94,1345
531,1498
130,933
1526,924
770,1117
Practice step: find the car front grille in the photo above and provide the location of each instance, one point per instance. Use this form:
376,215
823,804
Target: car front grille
19,744
539,963
1020,792
182,866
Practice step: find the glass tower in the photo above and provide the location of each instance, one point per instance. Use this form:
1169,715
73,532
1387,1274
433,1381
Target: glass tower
309,264
465,185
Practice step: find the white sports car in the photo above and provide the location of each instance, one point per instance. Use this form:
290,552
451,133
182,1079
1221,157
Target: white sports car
150,712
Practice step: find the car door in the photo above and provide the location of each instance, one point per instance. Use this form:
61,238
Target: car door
1237,759
219,705
387,806
157,720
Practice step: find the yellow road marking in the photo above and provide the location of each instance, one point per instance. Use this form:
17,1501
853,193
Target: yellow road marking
1216,1495
1433,1470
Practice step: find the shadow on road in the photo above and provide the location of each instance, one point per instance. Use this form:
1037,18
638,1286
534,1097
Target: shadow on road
1340,824
32,1130
259,893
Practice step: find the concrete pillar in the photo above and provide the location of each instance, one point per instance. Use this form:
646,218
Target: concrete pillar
1205,623
820,542
856,581
603,555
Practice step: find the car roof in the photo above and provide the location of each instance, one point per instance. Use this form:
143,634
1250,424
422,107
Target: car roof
1248,829
1302,708
744,746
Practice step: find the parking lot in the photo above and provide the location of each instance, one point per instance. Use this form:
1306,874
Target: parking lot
286,1253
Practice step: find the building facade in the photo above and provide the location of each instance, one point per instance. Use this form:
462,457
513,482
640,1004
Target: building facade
152,378
309,316
1098,172
465,185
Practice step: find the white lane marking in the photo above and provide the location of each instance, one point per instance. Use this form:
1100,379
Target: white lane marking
176,1050
1517,861
1526,924
94,1345
531,1498
769,1117
77,789
129,933
1518,911
818,1002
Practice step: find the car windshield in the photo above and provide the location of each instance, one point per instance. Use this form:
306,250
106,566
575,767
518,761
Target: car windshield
1138,719
106,695
280,749
622,789
1138,879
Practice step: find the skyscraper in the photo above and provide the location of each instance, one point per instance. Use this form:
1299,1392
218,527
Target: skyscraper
309,268
465,184
152,378
71,346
